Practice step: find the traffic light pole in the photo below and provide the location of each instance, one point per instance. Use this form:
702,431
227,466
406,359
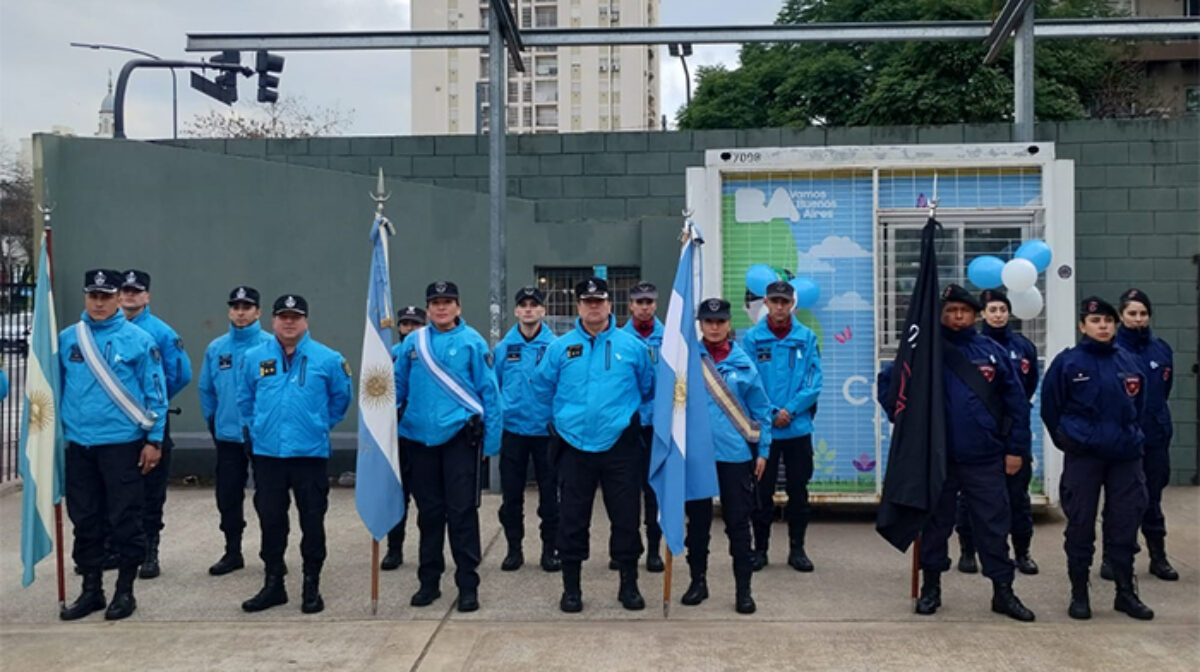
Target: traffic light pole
129,67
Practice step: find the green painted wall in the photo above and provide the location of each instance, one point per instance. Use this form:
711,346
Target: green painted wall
220,209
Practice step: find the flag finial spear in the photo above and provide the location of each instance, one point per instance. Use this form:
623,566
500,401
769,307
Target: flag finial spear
380,196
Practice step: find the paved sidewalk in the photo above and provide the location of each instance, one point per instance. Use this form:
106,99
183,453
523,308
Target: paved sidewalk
852,613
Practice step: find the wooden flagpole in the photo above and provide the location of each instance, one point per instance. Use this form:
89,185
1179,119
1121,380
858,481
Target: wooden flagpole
374,576
46,209
916,566
667,584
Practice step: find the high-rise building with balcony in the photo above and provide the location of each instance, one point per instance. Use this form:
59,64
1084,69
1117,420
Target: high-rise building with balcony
563,89
1172,68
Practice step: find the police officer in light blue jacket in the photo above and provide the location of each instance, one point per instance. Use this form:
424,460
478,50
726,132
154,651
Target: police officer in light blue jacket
408,320
740,422
293,391
596,377
789,361
643,323
135,303
446,380
220,377
526,431
3,382
113,410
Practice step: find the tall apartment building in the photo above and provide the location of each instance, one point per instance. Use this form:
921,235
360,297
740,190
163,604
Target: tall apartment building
1173,68
564,89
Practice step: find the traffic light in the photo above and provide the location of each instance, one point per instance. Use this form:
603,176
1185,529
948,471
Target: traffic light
224,88
266,63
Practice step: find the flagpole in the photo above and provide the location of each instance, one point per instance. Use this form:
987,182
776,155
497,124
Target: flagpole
667,584
46,208
374,576
916,566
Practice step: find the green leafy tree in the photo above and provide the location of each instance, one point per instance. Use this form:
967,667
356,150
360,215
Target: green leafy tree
889,83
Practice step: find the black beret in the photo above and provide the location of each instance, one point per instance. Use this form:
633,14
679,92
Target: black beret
956,294
989,295
1094,305
1136,295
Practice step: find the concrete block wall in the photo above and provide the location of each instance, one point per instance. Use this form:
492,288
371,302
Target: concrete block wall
1137,182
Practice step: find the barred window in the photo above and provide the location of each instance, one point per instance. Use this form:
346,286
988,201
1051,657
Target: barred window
558,284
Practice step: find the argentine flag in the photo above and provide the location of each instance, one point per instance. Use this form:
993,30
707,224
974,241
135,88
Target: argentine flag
378,493
682,462
41,457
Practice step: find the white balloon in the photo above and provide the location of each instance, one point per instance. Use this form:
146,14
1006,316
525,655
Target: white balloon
1026,305
1019,275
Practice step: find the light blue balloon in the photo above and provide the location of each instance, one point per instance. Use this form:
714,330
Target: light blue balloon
984,272
807,292
1037,252
758,277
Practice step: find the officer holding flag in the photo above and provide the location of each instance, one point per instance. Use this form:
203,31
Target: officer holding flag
446,382
114,409
408,320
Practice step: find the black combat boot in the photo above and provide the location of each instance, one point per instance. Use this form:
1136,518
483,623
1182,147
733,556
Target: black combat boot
697,591
931,593
1159,565
150,568
1081,608
743,603
758,560
232,560
628,594
1106,570
122,604
654,561
797,558
572,597
1004,601
550,561
392,559
273,594
1024,560
468,600
514,559
91,599
311,602
1127,598
425,595
966,558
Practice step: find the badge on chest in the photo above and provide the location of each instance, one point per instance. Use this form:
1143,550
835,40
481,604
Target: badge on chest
266,368
224,362
1133,384
574,351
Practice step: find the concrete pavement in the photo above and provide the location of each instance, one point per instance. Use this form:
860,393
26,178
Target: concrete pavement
852,613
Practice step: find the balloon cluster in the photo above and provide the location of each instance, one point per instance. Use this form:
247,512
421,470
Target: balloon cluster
759,276
1019,275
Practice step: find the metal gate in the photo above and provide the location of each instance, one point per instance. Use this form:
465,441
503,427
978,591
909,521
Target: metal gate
16,322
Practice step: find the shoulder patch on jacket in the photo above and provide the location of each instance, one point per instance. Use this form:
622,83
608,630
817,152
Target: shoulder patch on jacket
155,354
346,368
178,343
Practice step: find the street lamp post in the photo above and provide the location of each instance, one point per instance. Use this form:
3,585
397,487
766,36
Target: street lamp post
174,84
683,50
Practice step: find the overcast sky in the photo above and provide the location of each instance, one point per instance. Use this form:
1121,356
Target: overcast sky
44,82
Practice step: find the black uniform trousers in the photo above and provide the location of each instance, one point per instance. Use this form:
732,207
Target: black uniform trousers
737,483
1018,499
1125,500
233,470
1157,466
307,479
649,499
797,456
444,487
156,489
105,492
395,537
516,450
983,485
619,471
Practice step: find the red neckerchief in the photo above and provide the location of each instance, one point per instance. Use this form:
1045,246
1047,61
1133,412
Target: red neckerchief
780,331
718,351
644,328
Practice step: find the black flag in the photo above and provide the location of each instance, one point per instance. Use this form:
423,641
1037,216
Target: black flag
916,467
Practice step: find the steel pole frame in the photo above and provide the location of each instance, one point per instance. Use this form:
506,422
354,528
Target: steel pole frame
497,190
1023,71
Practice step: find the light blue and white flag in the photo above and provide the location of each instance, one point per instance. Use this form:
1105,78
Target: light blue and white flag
41,458
682,462
378,493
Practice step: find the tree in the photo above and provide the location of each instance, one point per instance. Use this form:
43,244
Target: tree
289,118
894,83
16,214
